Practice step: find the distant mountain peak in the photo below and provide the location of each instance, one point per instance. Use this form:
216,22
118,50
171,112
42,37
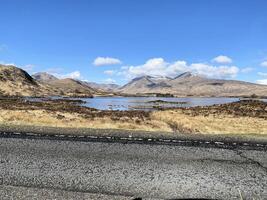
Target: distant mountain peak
151,78
44,77
160,77
141,78
185,75
108,87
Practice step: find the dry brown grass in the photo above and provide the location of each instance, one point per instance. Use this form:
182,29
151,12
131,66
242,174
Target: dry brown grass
213,124
164,121
246,117
75,120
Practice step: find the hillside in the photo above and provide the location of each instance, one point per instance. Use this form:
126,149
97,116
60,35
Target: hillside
103,86
73,87
17,82
188,84
70,86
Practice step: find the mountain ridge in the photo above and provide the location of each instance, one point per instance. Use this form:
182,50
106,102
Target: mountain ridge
189,84
17,82
45,77
103,86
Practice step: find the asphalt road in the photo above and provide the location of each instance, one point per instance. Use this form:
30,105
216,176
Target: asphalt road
133,170
30,193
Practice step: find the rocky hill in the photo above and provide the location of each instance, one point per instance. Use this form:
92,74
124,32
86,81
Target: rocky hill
188,84
17,82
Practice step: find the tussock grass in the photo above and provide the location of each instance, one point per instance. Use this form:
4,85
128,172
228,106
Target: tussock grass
74,120
246,117
212,124
164,121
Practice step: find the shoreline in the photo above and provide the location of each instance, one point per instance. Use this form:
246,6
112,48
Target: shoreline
143,95
246,117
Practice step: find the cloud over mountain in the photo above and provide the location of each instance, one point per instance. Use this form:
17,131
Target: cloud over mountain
160,67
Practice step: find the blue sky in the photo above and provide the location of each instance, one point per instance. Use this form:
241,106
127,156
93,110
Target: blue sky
116,40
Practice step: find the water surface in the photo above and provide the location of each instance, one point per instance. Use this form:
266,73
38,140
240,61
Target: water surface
144,103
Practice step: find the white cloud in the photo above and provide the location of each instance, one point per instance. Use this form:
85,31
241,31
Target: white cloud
262,74
109,81
263,81
153,67
264,64
222,59
247,70
73,75
100,61
159,67
215,72
109,72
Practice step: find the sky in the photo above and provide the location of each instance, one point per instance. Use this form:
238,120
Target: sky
113,41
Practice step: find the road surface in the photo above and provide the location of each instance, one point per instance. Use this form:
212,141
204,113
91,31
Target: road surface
132,169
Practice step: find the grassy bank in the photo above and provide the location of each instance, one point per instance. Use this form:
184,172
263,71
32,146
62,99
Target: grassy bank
245,117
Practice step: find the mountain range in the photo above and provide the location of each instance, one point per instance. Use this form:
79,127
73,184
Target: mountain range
17,82
188,84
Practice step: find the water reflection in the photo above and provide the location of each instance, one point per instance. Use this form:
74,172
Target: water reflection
150,103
